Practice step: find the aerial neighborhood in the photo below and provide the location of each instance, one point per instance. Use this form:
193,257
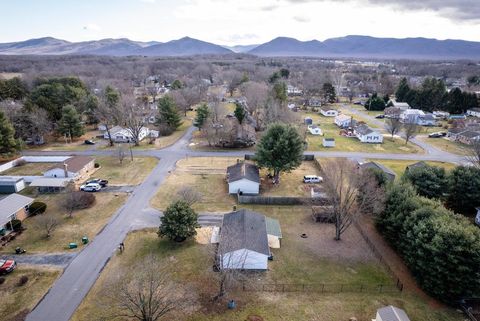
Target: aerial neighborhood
291,180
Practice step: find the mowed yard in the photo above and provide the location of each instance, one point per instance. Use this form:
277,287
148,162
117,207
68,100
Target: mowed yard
86,222
17,300
317,259
29,169
352,144
128,172
399,166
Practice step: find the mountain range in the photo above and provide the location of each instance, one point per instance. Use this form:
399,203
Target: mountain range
349,46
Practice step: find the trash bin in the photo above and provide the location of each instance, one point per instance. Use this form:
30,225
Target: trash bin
72,245
231,304
84,240
3,231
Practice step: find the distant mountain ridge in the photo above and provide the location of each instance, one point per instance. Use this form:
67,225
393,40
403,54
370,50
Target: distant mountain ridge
349,46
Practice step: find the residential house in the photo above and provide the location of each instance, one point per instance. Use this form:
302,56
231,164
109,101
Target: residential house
293,91
453,133
10,185
393,112
391,313
315,130
243,178
474,112
244,240
417,116
328,111
402,105
415,165
457,117
314,102
343,121
328,142
468,137
377,166
367,135
14,206
441,114
48,185
75,167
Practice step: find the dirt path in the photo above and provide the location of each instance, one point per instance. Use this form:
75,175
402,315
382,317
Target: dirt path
393,261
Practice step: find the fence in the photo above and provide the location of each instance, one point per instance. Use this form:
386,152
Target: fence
378,254
33,159
322,288
306,157
280,200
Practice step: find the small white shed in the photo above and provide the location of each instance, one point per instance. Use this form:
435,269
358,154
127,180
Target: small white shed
10,185
243,178
391,313
329,142
328,112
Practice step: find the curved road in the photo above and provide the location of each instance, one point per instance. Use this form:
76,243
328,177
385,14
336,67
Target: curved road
67,293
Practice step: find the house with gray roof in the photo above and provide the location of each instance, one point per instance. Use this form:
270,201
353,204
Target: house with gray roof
14,207
243,178
367,135
416,165
377,166
244,240
391,313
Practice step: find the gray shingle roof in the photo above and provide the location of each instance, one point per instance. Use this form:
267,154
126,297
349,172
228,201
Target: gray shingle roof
243,230
243,170
273,227
379,166
391,313
363,130
11,204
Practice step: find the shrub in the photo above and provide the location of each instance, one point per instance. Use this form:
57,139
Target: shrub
179,222
37,208
23,280
2,280
20,162
97,165
16,225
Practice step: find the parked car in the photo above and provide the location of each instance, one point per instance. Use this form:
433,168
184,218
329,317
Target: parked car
381,116
435,135
101,182
92,187
89,142
312,179
7,266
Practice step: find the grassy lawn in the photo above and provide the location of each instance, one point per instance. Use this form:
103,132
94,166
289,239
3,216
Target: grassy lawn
399,166
59,144
87,222
29,169
318,259
447,145
352,144
129,173
19,300
206,175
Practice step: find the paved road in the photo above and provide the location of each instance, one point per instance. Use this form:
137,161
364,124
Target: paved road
68,292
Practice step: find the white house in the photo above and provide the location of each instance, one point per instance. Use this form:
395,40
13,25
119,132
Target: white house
475,112
391,313
418,117
293,91
244,240
74,167
367,135
328,112
315,130
343,121
394,103
329,142
243,178
124,135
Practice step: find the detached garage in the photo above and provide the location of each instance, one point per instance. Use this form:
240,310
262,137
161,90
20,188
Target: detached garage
243,178
9,185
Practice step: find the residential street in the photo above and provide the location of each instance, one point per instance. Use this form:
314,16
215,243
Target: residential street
79,276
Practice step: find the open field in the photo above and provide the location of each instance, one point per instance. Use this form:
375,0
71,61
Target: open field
87,222
19,300
128,173
399,166
447,145
317,259
29,169
352,144
76,145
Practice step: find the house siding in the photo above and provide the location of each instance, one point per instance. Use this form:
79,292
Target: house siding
245,260
245,186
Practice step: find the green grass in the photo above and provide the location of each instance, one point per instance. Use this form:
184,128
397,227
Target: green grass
447,145
399,166
128,173
16,299
87,222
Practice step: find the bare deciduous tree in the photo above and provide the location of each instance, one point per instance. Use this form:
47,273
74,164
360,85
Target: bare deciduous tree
108,114
342,182
393,126
120,154
76,200
410,129
474,153
150,294
48,223
189,195
135,117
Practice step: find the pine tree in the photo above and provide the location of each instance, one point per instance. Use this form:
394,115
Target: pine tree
70,124
402,90
178,222
168,119
202,115
8,143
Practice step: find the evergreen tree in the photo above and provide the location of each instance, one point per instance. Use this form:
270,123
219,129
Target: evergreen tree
70,124
239,113
176,84
202,115
402,90
285,73
429,181
375,103
280,91
178,222
464,195
280,150
168,119
8,143
329,93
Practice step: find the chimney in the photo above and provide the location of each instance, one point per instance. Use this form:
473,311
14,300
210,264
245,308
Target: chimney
65,169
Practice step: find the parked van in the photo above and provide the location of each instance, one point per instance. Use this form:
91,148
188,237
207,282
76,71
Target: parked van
312,179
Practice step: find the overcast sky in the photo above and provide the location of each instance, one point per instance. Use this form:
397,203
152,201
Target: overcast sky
231,22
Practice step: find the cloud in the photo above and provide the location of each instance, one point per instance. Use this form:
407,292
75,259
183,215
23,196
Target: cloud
301,19
457,10
269,7
92,27
148,1
239,37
